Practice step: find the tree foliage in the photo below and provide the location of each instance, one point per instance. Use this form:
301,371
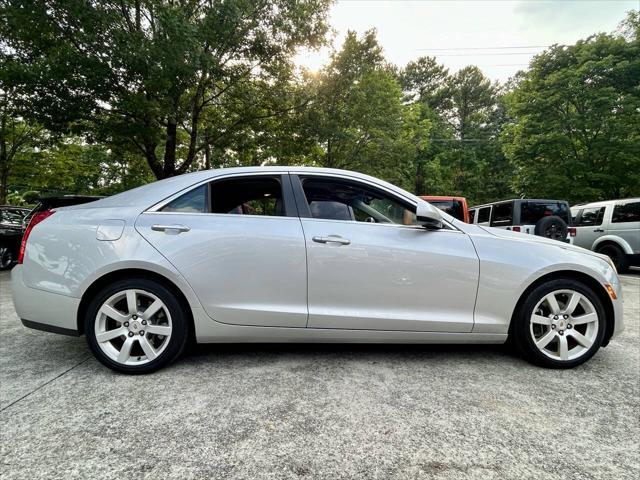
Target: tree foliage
575,129
146,73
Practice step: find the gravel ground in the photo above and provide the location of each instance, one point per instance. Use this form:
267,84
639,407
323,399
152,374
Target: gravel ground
330,412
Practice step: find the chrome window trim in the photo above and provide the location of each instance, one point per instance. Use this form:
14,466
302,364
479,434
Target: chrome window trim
162,203
391,192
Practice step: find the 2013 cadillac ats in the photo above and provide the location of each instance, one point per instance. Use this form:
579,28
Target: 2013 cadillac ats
278,254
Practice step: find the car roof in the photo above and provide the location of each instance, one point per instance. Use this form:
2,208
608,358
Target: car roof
152,193
541,200
604,203
442,197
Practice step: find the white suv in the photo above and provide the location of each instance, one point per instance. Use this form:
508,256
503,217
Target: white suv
611,227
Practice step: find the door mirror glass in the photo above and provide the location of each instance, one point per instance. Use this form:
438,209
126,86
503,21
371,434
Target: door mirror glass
428,216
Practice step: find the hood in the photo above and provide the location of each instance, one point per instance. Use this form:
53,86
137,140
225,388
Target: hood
525,237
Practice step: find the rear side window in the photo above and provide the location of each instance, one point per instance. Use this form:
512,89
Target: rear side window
233,196
452,207
532,212
626,212
502,214
194,201
590,217
484,214
247,196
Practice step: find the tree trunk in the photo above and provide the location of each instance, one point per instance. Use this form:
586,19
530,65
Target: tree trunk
207,156
169,169
4,171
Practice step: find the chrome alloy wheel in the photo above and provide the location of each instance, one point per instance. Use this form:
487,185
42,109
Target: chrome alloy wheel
564,325
133,327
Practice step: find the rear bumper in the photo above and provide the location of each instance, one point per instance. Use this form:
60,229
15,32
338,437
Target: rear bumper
43,310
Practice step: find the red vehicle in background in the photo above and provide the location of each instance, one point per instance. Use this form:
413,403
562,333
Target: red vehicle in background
455,206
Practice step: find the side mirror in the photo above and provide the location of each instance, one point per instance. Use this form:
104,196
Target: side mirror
428,216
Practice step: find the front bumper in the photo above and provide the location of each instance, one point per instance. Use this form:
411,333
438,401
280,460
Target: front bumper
43,310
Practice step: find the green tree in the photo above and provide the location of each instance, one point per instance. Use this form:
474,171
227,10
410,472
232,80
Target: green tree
16,137
358,118
575,130
146,72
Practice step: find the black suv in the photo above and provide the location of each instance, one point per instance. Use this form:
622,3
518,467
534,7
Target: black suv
543,217
11,219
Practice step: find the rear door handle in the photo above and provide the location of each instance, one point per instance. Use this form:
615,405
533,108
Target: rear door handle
332,239
170,229
599,230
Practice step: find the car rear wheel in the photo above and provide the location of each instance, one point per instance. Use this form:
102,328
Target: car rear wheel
560,324
136,326
615,253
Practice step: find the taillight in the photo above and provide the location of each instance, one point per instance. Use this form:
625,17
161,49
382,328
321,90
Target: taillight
36,219
516,229
572,231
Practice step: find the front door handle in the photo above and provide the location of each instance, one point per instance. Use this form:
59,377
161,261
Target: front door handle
170,229
599,230
332,239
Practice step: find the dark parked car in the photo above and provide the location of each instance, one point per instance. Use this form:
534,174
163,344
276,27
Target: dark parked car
49,203
11,219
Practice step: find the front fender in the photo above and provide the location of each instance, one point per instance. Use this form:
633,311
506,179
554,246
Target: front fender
621,242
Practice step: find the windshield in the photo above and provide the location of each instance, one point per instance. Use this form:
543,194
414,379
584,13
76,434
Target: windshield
452,207
532,212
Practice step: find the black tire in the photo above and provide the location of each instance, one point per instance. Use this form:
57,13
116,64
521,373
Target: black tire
179,333
617,255
520,334
551,227
6,258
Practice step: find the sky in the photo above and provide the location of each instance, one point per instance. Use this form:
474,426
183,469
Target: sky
464,32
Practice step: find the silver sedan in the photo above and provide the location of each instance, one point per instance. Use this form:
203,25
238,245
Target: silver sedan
277,254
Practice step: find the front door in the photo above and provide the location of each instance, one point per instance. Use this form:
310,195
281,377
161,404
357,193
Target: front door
589,227
371,268
239,243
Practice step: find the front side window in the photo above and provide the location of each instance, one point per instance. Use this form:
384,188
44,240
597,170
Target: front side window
484,214
472,215
343,200
626,212
260,195
590,217
502,214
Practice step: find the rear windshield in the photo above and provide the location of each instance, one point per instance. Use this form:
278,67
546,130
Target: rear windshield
532,212
452,207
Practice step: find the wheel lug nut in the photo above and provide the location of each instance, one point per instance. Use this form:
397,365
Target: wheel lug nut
135,317
555,317
131,334
141,333
566,316
569,326
553,327
144,322
126,324
561,332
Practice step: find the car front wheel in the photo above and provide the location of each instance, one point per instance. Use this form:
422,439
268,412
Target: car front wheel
136,326
560,324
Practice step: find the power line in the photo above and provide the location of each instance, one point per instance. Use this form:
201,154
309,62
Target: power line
481,54
484,48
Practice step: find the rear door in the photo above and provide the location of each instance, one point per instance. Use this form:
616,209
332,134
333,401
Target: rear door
625,223
239,243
